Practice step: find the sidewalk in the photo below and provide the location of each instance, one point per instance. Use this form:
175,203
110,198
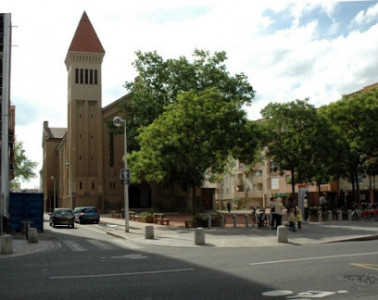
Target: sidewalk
176,235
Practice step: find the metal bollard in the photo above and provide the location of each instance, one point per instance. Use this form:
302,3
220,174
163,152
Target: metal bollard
32,235
320,216
330,216
6,244
234,219
199,236
339,215
149,232
246,220
282,234
209,221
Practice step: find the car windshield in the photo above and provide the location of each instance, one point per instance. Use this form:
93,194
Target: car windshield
64,213
90,210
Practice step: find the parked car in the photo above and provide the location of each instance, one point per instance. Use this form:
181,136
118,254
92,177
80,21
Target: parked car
86,214
62,216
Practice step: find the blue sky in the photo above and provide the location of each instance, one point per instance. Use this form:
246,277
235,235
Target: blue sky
289,50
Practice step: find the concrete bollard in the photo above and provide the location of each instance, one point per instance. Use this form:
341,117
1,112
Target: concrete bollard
320,216
149,232
199,236
349,215
234,219
6,244
330,216
246,220
282,234
32,235
339,215
209,221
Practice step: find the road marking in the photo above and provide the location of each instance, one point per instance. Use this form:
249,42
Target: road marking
367,266
101,245
311,258
130,256
74,246
123,274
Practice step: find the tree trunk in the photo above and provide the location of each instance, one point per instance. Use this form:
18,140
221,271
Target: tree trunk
292,185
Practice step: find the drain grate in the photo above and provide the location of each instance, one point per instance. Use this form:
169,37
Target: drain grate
363,278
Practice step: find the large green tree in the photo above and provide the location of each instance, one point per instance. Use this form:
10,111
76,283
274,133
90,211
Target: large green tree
23,167
297,139
355,119
194,136
160,81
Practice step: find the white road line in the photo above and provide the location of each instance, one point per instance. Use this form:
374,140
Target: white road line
311,258
74,246
101,245
122,274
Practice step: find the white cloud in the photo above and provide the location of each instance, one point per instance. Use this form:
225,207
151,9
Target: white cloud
288,64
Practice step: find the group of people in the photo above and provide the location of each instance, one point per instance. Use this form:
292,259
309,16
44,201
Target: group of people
294,215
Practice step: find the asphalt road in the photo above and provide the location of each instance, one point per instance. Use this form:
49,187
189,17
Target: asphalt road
91,264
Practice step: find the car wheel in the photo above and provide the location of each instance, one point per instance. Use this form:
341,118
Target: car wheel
73,226
80,221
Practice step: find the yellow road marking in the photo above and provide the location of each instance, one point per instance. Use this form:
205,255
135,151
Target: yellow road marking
367,266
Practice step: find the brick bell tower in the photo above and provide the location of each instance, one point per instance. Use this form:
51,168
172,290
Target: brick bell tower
83,152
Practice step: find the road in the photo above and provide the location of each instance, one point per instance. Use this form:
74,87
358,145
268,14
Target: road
91,264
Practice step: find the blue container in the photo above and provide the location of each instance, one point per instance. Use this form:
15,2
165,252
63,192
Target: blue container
25,208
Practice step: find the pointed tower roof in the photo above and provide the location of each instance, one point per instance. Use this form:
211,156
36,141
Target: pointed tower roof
85,38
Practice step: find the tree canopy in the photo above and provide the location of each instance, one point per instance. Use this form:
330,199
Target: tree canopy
298,140
354,117
23,167
159,82
198,133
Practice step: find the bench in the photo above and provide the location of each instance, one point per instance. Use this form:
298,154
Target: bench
116,214
160,218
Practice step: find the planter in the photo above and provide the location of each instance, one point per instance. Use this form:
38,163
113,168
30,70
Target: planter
146,219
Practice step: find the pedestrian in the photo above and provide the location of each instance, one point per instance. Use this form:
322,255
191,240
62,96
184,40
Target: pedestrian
299,218
322,202
272,213
254,218
291,218
278,210
229,206
262,218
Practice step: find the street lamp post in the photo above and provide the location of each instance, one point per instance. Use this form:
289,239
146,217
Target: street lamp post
68,165
118,121
53,179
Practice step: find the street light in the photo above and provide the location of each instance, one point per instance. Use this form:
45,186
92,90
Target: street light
118,121
53,179
68,165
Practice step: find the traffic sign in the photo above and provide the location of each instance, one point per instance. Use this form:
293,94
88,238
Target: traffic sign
125,175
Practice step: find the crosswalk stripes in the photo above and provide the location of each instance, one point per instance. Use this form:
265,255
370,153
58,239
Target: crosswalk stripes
87,244
101,245
74,246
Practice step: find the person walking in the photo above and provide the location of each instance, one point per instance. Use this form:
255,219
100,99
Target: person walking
291,218
229,206
278,211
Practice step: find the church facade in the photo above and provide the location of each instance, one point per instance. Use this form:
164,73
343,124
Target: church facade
82,163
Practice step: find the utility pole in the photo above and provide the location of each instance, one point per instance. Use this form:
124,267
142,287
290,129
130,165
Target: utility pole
5,101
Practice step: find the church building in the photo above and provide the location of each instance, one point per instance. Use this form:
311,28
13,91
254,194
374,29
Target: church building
82,163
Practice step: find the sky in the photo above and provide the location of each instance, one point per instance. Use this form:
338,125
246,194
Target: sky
289,50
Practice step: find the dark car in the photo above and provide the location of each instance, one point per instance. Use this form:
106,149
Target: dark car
86,214
62,216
